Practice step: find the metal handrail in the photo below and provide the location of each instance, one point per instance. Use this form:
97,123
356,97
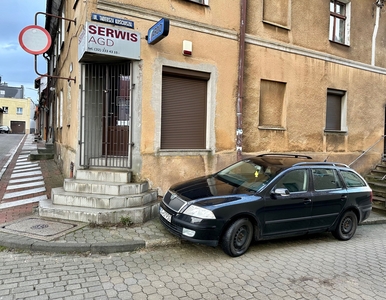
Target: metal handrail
364,152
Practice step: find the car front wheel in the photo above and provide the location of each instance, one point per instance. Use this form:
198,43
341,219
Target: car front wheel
237,238
346,227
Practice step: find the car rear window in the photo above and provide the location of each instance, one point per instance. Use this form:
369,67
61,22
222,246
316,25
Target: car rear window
352,180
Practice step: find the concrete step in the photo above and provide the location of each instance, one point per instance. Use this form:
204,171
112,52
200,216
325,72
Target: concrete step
45,150
35,155
104,188
380,167
377,184
137,215
379,202
104,175
61,197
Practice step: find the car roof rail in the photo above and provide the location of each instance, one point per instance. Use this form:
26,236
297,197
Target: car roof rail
286,155
322,164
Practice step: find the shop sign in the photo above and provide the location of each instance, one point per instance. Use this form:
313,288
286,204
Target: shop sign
158,31
110,41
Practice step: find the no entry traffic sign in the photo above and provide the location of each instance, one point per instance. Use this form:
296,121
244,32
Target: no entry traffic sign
35,39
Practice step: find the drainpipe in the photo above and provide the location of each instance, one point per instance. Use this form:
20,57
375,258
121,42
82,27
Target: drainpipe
379,4
240,82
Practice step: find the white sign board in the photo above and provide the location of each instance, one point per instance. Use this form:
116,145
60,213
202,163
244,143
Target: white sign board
111,41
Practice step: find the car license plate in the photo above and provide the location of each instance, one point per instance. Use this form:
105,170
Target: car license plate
167,216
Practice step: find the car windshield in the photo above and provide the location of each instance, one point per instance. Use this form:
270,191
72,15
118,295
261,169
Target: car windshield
248,174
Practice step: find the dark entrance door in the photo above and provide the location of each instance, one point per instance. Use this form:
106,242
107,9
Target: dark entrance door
106,115
116,113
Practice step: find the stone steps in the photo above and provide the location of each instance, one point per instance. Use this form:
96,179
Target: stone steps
101,196
377,181
61,197
104,188
137,215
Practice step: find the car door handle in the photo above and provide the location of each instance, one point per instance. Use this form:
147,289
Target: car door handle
343,198
306,201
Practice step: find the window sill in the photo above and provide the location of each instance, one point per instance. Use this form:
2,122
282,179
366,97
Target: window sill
276,25
179,152
338,132
271,128
339,43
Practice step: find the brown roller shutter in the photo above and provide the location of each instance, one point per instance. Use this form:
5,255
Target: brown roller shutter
183,120
333,114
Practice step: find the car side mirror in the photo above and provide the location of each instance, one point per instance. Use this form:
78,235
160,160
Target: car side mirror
281,192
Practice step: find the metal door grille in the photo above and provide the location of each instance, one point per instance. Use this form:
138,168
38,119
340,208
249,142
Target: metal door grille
106,115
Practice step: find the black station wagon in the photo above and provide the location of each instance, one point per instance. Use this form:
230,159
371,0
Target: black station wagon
264,197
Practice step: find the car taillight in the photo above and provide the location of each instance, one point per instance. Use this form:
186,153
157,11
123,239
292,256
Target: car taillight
371,196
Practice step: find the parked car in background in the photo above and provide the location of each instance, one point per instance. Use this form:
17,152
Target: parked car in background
264,197
5,129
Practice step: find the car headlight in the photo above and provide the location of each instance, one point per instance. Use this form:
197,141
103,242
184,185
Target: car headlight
199,212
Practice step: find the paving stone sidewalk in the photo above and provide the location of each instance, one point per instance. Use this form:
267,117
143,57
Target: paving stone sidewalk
84,238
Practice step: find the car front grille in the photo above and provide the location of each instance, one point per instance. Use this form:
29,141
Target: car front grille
173,202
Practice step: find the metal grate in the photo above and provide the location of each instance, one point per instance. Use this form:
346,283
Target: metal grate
106,115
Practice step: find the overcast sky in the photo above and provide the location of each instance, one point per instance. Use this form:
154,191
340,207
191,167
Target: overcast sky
17,67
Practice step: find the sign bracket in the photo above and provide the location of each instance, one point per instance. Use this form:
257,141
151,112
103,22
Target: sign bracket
46,75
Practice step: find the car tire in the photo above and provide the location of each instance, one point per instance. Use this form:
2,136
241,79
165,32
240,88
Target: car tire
237,237
346,227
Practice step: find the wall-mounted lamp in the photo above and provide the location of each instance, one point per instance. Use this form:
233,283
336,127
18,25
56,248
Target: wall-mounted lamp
187,48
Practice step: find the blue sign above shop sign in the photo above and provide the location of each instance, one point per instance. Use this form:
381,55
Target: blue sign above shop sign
112,20
158,31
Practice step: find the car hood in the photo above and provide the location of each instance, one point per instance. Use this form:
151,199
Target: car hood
208,187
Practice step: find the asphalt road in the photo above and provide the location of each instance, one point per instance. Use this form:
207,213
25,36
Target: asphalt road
312,267
8,146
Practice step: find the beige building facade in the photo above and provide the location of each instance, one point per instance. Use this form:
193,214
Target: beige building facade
16,114
174,89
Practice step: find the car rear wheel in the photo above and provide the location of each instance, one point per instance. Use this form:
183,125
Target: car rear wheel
237,238
346,227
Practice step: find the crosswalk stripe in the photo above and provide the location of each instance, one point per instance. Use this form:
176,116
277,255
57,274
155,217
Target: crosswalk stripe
20,180
22,163
22,202
26,166
17,175
26,170
24,185
24,193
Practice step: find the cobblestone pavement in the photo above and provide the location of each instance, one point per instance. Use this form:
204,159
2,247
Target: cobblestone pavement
312,267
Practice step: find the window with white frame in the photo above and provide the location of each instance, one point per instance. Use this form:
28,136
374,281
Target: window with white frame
19,110
57,112
62,30
340,12
5,109
61,110
336,110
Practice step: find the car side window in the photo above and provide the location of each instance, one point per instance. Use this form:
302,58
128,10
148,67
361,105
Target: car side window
325,179
294,181
351,179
